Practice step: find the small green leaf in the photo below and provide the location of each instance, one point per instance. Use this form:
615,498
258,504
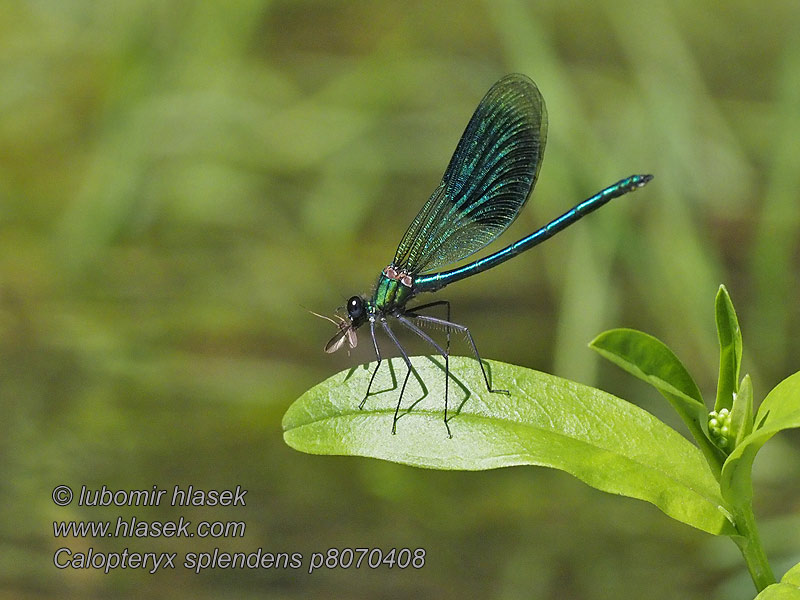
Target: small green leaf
780,591
649,359
606,442
742,412
730,350
787,589
780,410
792,576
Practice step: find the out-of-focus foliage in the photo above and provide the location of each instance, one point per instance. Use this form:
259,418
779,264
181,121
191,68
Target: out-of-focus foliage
179,180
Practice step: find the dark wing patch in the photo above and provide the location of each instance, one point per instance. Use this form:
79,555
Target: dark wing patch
487,182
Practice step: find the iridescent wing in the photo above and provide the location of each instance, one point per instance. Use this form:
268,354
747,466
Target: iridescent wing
487,182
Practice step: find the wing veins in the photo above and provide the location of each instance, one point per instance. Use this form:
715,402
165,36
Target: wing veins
488,180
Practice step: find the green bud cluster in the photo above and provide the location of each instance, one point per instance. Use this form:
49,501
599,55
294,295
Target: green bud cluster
719,427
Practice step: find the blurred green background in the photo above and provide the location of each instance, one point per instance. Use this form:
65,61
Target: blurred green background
179,181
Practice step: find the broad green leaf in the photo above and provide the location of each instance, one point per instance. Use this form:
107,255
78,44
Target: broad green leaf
742,412
649,359
780,410
730,349
606,442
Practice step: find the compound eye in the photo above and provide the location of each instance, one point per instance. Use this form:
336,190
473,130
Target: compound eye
355,307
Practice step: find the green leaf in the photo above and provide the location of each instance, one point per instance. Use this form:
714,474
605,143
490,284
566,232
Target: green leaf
780,591
606,442
780,410
742,412
649,359
730,349
787,589
792,576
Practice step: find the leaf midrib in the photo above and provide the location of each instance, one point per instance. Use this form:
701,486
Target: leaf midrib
517,424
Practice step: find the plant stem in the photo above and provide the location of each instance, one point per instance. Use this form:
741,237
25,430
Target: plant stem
750,546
